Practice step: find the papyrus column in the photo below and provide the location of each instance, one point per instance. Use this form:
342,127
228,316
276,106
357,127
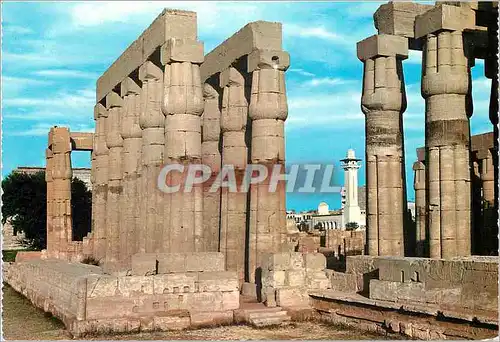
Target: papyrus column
49,165
211,157
132,144
100,185
151,122
61,179
383,102
420,209
234,155
446,88
268,111
114,142
182,107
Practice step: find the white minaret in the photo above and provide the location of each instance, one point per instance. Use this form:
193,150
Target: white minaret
352,212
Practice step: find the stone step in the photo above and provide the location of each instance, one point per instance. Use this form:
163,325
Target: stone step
264,314
269,321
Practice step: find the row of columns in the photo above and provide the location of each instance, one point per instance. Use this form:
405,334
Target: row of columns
442,182
161,115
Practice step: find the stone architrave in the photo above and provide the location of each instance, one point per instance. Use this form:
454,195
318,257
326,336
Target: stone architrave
268,111
383,102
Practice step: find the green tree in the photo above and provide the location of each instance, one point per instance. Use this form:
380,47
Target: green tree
24,204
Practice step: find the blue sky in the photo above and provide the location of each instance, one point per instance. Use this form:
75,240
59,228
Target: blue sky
54,52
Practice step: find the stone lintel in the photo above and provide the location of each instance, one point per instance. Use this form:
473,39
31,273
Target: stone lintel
445,17
100,111
398,18
182,50
382,45
169,24
418,165
113,100
482,141
268,59
262,35
128,87
150,71
82,141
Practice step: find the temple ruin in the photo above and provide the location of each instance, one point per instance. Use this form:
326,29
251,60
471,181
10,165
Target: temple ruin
184,259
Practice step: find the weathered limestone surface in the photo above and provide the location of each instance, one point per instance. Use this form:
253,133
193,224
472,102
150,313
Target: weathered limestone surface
383,103
420,209
233,123
169,24
211,156
398,18
287,278
446,89
132,145
82,297
151,122
268,111
183,106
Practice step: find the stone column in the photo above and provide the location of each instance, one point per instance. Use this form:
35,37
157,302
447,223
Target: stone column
234,154
489,216
487,176
114,142
446,88
100,185
420,209
268,112
49,165
151,123
383,102
211,156
61,182
182,107
132,144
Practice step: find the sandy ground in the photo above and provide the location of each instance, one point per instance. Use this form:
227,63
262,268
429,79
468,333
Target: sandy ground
22,321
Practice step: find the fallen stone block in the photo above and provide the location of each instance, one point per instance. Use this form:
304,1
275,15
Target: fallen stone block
208,319
292,296
171,323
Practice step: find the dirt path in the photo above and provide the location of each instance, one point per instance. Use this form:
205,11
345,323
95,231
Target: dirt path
22,321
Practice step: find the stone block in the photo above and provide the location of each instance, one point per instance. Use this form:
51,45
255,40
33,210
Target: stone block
268,58
164,323
382,45
249,289
101,286
182,50
209,319
218,281
292,296
314,261
273,278
230,300
295,278
397,292
175,283
398,18
135,285
171,263
342,282
205,262
444,17
144,264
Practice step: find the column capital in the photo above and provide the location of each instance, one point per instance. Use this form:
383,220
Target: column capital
444,17
61,142
418,166
385,45
268,59
128,86
230,75
182,50
100,111
113,100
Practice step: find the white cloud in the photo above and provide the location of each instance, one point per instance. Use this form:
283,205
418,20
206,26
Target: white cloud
17,29
302,72
329,81
294,30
